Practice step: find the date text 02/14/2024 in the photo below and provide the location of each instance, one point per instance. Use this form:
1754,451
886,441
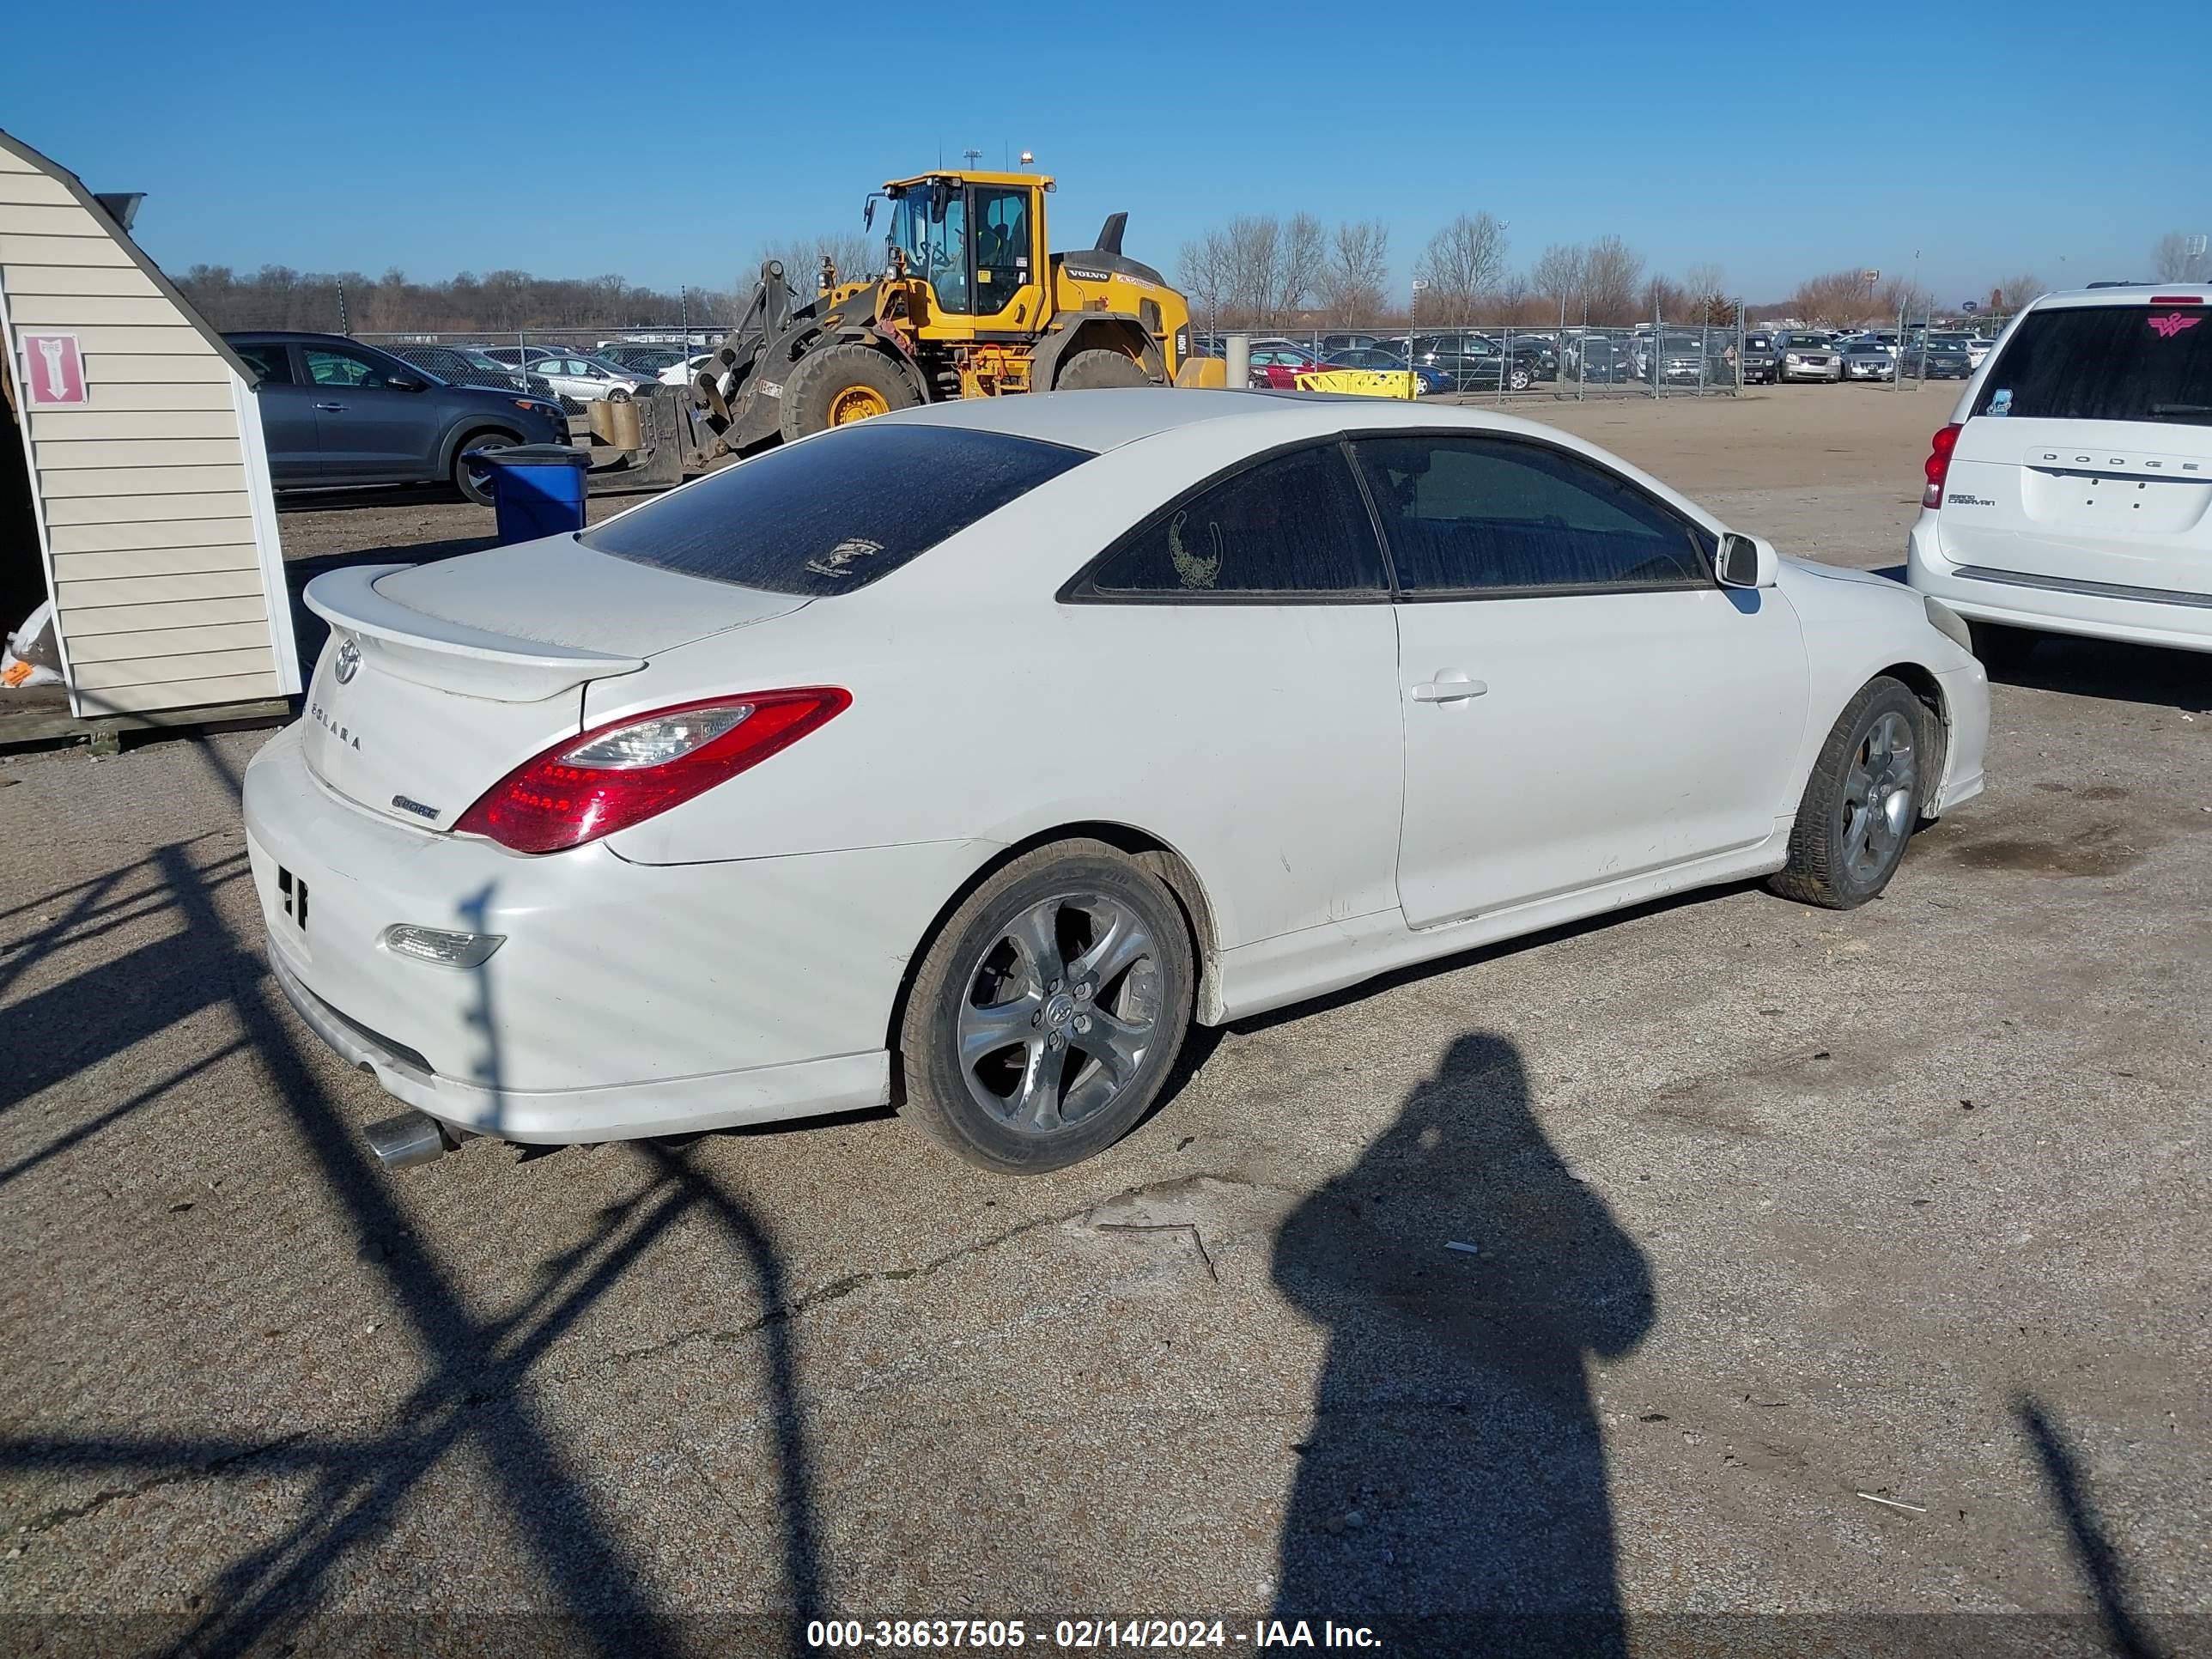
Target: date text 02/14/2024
1158,1634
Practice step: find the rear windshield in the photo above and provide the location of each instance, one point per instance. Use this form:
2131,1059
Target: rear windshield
836,512
2105,363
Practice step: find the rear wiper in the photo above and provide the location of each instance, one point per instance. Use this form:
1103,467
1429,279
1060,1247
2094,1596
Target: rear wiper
2181,409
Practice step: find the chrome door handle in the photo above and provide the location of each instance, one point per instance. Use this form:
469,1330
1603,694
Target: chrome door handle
334,408
1449,690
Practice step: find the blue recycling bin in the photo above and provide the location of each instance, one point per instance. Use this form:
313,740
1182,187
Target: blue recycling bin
537,489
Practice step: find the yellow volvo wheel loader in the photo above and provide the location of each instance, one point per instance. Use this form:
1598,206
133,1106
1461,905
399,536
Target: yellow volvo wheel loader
969,304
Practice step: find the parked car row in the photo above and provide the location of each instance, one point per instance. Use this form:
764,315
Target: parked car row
580,375
470,366
337,413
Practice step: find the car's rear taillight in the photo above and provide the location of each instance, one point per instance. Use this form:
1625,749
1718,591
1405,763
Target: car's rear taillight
616,775
1938,465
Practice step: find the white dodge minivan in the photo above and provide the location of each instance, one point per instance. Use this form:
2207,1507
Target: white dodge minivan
2072,491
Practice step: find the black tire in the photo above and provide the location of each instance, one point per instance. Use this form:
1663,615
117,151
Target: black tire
824,384
1519,379
2004,650
970,1108
1100,368
1858,810
473,485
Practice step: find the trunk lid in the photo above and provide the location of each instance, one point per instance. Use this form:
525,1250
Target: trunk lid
2116,503
2086,454
438,680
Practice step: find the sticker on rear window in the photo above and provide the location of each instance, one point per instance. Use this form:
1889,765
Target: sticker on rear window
2001,401
836,561
2167,326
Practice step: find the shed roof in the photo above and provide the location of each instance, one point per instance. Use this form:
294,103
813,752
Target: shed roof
90,202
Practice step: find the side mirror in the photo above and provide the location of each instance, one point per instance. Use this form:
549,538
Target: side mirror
1747,562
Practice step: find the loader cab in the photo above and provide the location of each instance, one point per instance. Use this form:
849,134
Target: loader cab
978,240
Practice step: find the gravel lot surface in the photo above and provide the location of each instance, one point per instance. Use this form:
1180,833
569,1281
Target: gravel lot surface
1839,1281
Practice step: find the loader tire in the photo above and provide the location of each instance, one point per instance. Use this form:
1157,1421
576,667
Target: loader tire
840,384
1101,366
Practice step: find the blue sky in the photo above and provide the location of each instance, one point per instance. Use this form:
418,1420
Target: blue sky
2046,140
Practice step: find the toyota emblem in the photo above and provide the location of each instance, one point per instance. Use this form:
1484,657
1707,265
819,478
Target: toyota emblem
349,662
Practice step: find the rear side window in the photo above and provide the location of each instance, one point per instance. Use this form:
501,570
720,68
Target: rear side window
1290,524
272,363
834,513
2105,363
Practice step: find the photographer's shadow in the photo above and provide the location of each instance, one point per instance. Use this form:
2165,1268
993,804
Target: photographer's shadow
1453,1489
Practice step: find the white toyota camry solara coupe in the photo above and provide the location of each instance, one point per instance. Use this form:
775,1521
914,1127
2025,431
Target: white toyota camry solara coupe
961,758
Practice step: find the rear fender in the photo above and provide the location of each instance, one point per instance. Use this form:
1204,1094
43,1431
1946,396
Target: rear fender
1071,332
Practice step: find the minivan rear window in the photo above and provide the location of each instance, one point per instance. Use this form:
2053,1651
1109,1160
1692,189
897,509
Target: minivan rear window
2105,363
836,512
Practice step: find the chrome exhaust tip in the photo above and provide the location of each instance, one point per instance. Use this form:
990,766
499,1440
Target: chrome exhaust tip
412,1138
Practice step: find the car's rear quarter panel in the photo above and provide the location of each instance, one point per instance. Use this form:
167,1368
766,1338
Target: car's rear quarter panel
1259,742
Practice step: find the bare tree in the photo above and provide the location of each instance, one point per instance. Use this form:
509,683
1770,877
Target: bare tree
1462,264
1664,298
1203,267
858,258
1839,297
1901,296
2010,295
1557,275
2176,257
277,296
1302,257
1706,296
1354,278
1610,271
1704,278
1254,243
1515,300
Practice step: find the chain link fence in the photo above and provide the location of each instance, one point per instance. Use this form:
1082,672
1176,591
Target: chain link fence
1508,361
1654,359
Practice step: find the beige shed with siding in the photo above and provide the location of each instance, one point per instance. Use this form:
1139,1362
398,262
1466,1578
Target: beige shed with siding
151,519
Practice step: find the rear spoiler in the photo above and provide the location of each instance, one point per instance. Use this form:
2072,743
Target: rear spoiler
412,645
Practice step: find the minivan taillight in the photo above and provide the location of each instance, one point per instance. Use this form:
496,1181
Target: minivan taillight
615,775
1938,465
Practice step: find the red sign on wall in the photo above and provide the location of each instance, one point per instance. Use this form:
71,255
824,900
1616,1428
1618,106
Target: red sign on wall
53,369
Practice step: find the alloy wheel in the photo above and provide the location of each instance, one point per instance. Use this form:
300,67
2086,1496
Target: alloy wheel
1058,1011
1880,797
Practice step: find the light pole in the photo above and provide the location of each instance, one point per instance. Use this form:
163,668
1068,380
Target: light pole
1413,316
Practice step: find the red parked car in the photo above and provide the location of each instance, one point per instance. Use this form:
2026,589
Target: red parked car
1276,367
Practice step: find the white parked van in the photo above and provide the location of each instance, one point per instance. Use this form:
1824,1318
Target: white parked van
2072,492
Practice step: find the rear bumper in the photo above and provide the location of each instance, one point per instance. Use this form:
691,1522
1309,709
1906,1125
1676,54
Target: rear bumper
718,1100
2091,610
627,1000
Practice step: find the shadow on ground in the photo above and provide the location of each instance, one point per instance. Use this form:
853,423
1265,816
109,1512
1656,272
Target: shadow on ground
477,1395
1466,1364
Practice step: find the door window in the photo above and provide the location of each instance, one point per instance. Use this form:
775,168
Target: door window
327,365
272,363
1002,246
1292,525
1466,515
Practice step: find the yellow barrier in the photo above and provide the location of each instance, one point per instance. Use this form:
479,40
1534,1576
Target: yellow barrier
1360,382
